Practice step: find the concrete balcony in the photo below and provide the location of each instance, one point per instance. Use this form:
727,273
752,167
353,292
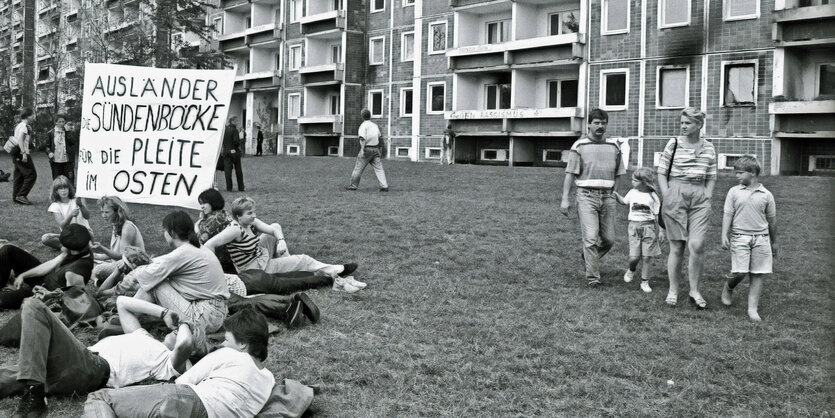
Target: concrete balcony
564,112
320,22
235,5
258,81
321,125
804,26
49,8
539,122
803,119
266,36
322,75
554,50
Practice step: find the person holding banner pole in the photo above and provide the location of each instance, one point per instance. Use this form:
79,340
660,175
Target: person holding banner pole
231,153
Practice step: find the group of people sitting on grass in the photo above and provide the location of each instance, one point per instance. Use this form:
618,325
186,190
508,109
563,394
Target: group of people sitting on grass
223,275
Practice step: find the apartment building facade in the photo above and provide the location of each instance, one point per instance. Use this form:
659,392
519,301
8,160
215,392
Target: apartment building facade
17,45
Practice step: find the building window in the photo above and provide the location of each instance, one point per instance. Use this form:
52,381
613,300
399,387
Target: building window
739,84
176,40
562,93
378,5
248,22
494,154
407,46
497,96
294,106
741,9
498,32
406,102
375,103
552,155
218,25
292,150
336,54
432,153
615,17
277,61
337,5
673,87
437,37
296,10
333,104
673,13
613,84
403,152
376,52
295,57
333,151
727,161
436,100
563,22
822,163
825,84
407,3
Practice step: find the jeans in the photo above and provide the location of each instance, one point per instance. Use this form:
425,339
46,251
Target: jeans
24,176
372,156
259,281
17,259
62,169
230,161
50,354
596,210
161,400
208,313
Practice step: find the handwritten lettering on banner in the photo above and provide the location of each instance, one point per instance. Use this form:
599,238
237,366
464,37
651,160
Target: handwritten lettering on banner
151,135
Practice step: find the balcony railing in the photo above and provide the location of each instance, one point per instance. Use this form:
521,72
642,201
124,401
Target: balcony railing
802,107
527,113
540,42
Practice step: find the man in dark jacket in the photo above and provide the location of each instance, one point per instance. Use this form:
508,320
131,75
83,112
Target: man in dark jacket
231,154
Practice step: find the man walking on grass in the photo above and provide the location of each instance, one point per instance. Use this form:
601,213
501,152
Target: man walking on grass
594,164
231,154
371,147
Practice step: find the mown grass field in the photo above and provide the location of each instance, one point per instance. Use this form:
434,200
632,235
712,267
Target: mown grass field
476,303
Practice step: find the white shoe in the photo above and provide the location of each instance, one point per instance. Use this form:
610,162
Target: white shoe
627,277
355,283
645,286
340,283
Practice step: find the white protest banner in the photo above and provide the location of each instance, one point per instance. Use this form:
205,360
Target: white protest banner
151,135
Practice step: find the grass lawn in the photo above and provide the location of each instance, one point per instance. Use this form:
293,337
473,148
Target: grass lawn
477,306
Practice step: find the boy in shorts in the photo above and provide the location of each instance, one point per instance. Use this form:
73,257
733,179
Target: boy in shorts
750,231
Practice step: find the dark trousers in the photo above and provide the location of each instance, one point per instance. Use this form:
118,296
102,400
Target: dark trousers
260,148
259,281
24,176
50,354
228,162
15,259
63,169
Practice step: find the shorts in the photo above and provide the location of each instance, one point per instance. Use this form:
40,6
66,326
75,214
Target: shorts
750,254
686,210
643,239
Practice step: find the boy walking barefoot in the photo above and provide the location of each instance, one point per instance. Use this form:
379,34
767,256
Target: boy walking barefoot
644,232
750,231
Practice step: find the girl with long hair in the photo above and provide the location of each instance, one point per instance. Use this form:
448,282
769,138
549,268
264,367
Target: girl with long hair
66,208
124,234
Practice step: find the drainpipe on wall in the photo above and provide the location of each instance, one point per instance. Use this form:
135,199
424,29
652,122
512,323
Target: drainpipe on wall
417,65
391,72
642,85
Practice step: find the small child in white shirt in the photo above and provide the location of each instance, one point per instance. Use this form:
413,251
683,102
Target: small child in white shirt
644,231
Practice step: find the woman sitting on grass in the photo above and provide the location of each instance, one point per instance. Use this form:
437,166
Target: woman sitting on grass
66,208
125,234
70,268
213,219
242,242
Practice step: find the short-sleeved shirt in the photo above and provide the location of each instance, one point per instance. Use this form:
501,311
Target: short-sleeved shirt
195,273
371,132
687,164
750,208
643,206
596,164
135,357
21,136
80,264
64,209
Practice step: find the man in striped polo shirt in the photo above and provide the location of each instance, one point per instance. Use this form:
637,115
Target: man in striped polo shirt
594,165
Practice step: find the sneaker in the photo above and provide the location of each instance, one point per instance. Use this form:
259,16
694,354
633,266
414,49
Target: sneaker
340,283
627,277
645,286
295,317
356,283
727,295
347,269
32,404
310,310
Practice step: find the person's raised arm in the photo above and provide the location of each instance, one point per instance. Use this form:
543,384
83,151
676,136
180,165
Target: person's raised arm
85,213
229,234
272,229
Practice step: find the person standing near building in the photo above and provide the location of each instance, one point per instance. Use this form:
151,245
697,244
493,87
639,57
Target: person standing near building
59,149
25,174
259,150
594,165
447,150
231,153
371,144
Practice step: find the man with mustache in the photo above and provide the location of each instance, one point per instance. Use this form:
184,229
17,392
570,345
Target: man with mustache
594,165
